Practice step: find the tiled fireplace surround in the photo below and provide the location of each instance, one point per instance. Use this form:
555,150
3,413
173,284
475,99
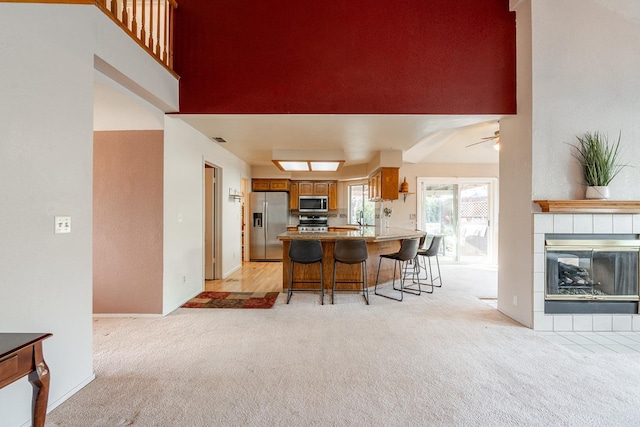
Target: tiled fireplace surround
567,223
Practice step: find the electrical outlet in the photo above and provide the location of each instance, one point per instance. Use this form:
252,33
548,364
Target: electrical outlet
62,224
515,300
184,279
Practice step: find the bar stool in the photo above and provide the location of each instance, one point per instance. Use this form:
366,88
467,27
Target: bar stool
432,251
416,267
305,252
351,252
408,252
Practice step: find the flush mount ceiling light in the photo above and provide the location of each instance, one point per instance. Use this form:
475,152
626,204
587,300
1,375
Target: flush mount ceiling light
308,161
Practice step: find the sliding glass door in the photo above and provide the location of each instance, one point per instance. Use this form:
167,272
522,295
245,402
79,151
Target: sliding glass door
463,211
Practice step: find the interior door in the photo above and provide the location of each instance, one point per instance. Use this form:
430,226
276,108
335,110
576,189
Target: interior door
210,218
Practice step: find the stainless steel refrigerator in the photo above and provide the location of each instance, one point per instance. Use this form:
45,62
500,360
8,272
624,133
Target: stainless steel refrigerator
269,217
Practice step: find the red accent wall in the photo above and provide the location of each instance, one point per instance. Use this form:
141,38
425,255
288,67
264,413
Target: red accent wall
346,56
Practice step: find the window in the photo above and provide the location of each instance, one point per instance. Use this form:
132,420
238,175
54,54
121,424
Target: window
360,208
463,211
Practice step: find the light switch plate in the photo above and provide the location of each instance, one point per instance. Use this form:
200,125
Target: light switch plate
62,224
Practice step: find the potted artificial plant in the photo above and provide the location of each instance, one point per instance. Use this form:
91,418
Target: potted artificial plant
599,161
387,215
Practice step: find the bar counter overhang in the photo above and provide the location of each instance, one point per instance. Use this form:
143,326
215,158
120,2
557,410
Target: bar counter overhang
380,240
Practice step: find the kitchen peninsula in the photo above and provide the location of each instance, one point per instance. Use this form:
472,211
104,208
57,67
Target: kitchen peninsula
380,240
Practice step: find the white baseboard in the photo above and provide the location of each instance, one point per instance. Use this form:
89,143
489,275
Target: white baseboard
192,296
233,270
127,314
53,405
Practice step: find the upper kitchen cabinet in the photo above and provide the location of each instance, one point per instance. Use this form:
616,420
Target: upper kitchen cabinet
269,185
305,188
320,188
313,188
293,196
383,184
333,195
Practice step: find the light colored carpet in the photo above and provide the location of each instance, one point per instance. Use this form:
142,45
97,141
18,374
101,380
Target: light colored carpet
446,359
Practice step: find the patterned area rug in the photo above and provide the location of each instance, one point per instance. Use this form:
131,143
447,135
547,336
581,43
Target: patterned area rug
233,300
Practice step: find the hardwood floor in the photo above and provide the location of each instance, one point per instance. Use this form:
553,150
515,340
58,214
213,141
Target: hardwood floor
252,277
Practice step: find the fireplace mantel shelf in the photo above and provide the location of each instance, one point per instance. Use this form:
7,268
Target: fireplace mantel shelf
589,206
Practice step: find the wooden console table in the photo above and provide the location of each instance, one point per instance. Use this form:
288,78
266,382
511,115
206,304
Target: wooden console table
21,355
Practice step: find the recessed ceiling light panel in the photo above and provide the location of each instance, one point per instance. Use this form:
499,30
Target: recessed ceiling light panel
291,166
308,166
313,160
325,166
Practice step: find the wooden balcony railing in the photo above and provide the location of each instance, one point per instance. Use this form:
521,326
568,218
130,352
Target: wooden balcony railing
149,22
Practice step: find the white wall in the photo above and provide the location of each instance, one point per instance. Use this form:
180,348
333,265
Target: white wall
578,64
46,162
586,57
46,170
515,247
185,152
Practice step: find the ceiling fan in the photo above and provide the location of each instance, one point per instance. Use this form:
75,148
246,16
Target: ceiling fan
496,137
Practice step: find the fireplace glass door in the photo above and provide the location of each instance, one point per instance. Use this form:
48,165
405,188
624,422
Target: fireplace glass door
592,270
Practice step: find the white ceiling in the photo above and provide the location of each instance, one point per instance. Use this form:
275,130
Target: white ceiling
422,138
252,137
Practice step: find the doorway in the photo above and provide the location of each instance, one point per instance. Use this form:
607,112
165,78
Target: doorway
464,211
244,235
212,260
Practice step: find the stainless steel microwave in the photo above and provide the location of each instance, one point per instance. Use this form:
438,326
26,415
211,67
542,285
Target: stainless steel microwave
313,204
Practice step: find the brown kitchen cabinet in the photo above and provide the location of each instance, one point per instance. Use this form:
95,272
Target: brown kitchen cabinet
320,188
313,188
259,184
279,185
333,195
305,188
383,184
293,196
373,187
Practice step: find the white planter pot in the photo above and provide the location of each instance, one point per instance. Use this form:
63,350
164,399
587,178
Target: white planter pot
598,192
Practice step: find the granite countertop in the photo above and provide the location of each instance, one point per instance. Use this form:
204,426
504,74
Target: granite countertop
370,234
